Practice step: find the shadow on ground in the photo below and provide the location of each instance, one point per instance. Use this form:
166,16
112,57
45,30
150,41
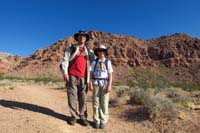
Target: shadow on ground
138,114
131,112
34,108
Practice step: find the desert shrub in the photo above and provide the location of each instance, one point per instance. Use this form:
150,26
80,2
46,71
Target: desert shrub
148,78
177,95
160,107
46,80
138,96
121,90
119,101
157,105
39,80
11,78
122,94
196,96
7,84
187,86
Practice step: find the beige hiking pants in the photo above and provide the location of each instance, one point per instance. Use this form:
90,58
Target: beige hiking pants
100,105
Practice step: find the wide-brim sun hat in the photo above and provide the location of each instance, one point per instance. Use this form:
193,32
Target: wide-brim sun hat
100,48
82,32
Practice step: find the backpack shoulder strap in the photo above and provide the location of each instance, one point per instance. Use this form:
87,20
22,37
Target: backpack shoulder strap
95,63
106,62
72,48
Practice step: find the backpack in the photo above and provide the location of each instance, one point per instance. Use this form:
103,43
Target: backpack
73,49
97,61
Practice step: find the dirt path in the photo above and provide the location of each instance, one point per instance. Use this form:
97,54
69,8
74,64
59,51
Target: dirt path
42,109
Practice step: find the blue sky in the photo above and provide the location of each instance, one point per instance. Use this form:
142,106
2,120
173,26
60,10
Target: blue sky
28,25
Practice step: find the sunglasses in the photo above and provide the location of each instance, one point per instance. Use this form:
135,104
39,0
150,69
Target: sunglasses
100,50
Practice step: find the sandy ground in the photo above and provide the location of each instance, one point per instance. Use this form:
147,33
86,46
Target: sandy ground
44,109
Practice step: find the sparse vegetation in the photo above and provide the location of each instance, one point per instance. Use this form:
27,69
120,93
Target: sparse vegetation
122,92
156,104
187,86
158,79
38,80
165,102
178,96
151,88
148,78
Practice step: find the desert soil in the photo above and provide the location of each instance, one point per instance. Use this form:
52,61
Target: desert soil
44,109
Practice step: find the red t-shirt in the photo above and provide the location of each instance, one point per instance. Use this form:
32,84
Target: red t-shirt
78,65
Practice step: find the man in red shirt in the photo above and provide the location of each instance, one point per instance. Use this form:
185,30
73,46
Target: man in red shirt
76,72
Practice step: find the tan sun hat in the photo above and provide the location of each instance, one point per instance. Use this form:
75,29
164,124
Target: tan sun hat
99,48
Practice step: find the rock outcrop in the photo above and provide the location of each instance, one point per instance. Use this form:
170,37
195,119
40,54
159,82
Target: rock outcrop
178,51
8,62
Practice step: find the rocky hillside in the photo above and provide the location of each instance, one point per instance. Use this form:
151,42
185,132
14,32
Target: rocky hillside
179,52
8,62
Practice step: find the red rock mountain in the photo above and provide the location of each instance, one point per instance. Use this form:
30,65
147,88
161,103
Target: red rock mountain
8,61
179,51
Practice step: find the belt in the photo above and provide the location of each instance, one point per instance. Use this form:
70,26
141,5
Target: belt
100,78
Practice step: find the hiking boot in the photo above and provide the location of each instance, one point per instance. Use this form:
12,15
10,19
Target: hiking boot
96,125
72,121
102,126
84,122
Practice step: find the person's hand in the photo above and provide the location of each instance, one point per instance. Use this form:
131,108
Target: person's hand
66,77
108,88
90,87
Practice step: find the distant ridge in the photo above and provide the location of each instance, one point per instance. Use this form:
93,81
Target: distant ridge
178,51
5,54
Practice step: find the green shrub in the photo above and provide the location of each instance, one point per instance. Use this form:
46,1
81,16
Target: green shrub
39,80
148,78
187,86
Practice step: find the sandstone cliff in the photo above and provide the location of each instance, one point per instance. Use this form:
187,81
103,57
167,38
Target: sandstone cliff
179,52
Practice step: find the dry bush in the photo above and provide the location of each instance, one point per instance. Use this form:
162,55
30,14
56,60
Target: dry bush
157,105
196,97
7,84
188,86
121,95
160,107
121,90
51,81
178,96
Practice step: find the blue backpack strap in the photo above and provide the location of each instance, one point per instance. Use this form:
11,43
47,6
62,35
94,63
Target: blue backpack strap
95,63
106,62
97,60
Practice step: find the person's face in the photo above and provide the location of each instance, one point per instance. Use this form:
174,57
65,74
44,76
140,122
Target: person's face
82,38
100,53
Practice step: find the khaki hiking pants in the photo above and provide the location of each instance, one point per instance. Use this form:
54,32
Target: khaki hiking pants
100,105
76,92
